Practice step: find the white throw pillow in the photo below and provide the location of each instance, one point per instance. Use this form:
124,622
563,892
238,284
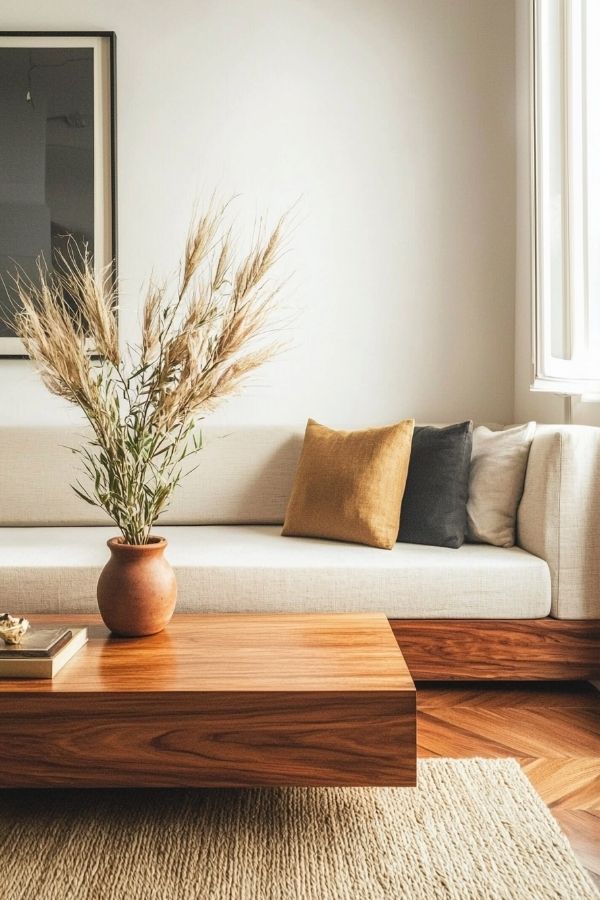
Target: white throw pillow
496,479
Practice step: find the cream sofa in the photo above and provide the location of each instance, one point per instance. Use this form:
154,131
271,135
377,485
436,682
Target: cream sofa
225,544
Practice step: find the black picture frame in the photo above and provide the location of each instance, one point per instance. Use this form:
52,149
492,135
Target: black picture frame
110,253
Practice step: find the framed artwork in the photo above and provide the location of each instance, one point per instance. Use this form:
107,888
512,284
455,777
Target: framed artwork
57,154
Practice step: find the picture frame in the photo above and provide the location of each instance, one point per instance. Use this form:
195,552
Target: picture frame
57,153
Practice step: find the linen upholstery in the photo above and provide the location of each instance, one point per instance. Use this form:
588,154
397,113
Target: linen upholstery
251,568
559,515
349,484
244,474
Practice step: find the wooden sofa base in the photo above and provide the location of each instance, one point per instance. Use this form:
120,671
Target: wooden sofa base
502,649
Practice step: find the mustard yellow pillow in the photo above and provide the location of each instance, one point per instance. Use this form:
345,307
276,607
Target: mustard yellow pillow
349,484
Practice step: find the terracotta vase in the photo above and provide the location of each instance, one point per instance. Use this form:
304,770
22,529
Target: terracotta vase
137,589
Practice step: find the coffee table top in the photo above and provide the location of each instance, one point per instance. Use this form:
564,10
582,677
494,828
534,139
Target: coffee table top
237,652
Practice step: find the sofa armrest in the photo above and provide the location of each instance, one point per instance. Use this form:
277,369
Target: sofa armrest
559,515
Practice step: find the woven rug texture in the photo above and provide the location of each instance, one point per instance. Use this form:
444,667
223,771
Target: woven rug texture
472,830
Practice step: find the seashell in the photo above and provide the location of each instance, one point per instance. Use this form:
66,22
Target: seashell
12,628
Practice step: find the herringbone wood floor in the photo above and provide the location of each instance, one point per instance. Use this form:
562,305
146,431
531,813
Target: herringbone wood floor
553,729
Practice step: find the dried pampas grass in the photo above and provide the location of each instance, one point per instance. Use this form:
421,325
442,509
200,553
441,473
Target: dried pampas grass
199,341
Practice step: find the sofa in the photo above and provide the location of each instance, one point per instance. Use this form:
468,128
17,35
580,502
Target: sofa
531,611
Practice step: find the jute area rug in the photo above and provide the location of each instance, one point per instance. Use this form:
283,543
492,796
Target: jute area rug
472,829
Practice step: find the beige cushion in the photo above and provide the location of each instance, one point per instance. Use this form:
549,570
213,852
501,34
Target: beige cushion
244,475
559,515
253,568
349,484
496,478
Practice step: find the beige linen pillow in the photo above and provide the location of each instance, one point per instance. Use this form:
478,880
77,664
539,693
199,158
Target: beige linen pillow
349,484
496,479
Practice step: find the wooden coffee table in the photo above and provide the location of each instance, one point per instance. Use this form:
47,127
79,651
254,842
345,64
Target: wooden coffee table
218,700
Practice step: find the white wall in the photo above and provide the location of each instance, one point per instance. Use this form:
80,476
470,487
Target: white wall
393,121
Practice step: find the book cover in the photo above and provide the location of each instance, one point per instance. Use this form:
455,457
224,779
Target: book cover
43,667
37,642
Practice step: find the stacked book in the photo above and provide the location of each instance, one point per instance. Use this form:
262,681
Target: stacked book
41,652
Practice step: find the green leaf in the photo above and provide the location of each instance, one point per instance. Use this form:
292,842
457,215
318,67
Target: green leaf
84,496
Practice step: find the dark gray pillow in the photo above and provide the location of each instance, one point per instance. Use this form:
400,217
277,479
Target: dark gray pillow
434,508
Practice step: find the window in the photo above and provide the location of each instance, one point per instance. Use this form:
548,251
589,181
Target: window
566,161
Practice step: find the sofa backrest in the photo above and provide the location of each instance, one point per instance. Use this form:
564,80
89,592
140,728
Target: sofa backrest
244,475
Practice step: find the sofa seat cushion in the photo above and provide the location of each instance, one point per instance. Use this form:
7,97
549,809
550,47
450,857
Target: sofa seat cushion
252,568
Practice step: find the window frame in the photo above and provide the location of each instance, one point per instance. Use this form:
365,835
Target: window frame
579,374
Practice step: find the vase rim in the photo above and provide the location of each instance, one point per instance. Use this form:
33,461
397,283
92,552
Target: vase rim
155,542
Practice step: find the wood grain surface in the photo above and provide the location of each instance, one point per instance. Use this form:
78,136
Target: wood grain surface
331,652
219,701
513,649
552,728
